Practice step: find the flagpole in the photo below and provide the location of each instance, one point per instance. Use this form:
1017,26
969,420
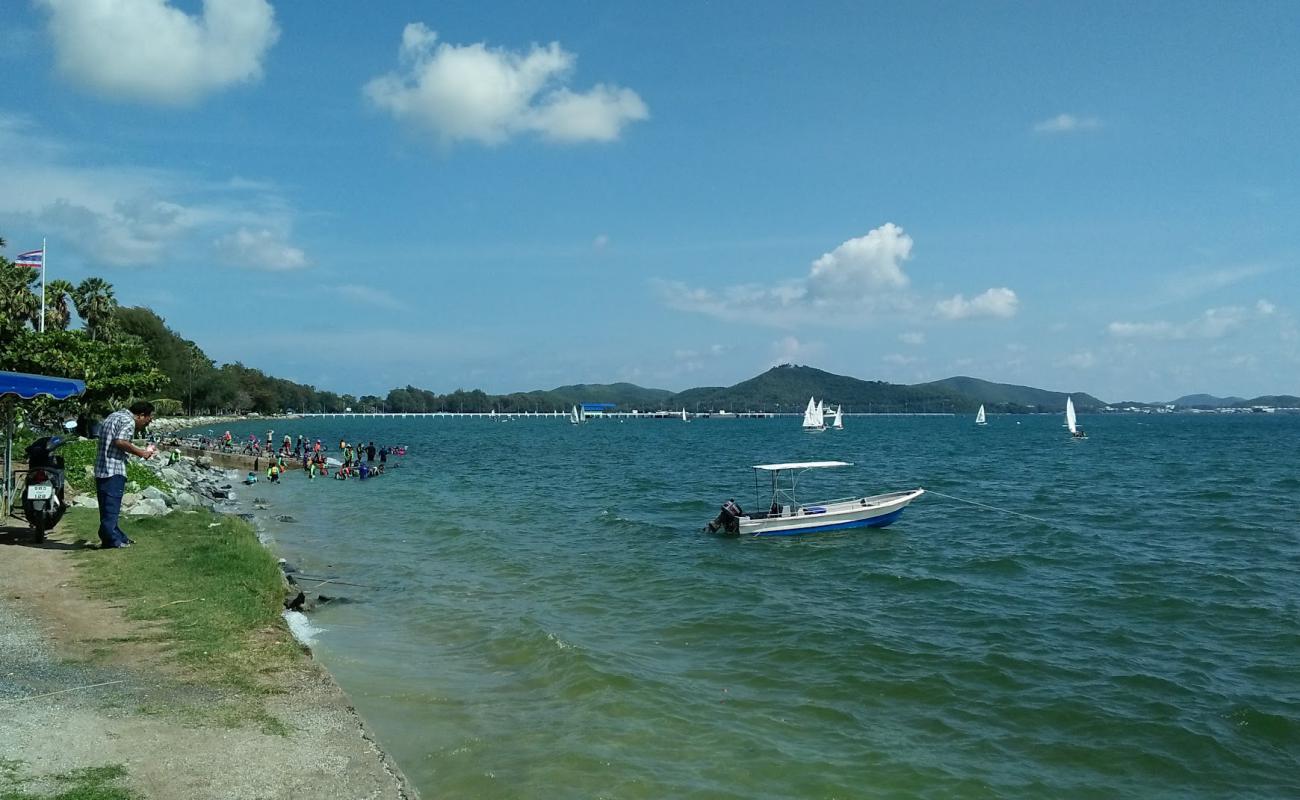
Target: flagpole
44,255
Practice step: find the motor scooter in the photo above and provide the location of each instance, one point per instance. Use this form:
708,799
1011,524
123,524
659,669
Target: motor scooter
43,487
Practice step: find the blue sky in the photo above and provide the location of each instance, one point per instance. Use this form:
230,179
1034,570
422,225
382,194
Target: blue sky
516,196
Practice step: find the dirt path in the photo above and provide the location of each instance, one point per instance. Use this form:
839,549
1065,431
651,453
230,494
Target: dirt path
81,686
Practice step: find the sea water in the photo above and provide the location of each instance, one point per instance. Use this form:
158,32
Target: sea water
530,609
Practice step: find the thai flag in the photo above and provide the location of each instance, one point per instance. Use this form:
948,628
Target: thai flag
32,258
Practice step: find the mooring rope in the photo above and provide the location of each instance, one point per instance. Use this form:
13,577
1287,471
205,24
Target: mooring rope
992,508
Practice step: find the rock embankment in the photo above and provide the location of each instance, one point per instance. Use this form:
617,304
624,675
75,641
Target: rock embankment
192,483
164,425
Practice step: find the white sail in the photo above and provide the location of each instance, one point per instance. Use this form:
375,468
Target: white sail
839,418
574,418
979,416
821,412
812,416
1070,421
684,419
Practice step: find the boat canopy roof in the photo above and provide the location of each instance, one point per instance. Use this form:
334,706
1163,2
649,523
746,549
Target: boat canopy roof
802,465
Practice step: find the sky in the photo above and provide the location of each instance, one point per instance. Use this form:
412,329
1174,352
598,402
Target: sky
1099,197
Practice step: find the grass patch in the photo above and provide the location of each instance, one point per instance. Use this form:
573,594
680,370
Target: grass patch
89,783
214,591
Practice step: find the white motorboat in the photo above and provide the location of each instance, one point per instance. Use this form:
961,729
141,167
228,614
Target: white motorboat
786,516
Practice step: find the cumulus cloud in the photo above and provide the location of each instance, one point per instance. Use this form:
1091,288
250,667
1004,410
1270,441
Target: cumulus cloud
148,51
865,264
478,93
860,280
261,249
1067,123
1001,303
1213,323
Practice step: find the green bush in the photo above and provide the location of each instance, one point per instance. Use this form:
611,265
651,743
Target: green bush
79,455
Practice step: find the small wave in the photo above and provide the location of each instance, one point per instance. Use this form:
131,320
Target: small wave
1253,722
302,628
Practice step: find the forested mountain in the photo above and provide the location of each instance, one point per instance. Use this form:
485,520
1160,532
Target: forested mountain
788,387
1206,401
1010,398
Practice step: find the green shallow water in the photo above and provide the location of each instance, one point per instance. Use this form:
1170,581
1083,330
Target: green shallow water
546,620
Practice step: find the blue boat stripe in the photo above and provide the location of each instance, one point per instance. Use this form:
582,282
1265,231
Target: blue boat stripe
873,522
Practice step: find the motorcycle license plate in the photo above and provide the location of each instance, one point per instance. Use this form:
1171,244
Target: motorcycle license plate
40,492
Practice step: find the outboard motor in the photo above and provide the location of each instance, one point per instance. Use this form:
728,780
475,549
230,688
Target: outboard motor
728,519
43,488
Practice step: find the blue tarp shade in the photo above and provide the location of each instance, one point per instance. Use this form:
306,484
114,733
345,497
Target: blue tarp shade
29,387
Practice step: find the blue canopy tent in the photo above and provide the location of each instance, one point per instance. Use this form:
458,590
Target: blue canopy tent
16,386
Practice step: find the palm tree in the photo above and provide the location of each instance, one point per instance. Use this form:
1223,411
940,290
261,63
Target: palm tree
57,294
95,303
18,303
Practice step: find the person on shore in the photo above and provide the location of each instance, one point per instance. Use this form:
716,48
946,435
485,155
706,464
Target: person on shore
273,472
115,434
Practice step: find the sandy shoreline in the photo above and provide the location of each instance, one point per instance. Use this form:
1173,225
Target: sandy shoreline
82,687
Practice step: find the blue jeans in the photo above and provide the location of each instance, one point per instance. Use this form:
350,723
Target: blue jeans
109,493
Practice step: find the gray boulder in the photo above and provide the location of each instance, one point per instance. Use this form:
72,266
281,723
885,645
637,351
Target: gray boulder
148,508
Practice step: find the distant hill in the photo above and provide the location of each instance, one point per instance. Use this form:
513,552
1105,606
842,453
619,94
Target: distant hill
1206,401
1010,398
788,387
624,395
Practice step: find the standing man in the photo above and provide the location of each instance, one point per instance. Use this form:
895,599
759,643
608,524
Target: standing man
115,434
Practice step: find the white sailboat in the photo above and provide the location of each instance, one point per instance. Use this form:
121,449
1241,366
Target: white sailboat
839,419
812,417
979,416
574,417
1071,421
684,419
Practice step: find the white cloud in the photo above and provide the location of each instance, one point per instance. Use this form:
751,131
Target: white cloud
600,242
261,249
1187,285
477,93
124,215
1265,308
859,266
1214,323
860,281
1001,303
899,359
1067,123
149,51
789,350
912,338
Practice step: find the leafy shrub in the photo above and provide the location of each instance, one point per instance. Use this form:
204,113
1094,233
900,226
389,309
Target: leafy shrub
79,462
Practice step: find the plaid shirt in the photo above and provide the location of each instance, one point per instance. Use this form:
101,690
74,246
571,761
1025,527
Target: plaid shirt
111,459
